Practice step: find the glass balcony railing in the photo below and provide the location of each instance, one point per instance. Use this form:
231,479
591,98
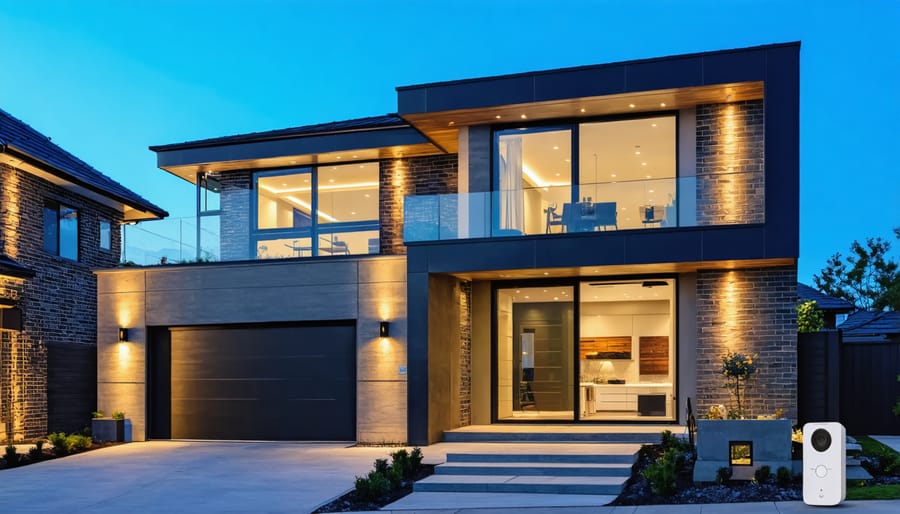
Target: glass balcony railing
171,241
719,199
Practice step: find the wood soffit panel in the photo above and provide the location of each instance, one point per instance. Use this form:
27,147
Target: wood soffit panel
189,171
443,127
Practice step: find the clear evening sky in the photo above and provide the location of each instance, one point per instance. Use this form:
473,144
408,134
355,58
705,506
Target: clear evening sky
105,79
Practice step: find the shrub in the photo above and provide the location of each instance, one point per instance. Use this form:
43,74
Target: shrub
11,457
809,317
723,475
763,474
407,464
36,453
670,441
97,414
60,444
118,415
663,473
382,466
373,486
783,477
887,462
78,442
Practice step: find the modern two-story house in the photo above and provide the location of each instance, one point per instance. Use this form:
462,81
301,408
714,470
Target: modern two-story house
60,218
575,246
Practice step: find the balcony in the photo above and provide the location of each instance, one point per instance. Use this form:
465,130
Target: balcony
714,199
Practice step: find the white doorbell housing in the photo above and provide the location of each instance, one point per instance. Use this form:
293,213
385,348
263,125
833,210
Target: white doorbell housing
824,463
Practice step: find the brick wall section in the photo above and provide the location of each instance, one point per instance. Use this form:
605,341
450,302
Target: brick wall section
432,175
730,163
748,311
465,353
234,201
59,303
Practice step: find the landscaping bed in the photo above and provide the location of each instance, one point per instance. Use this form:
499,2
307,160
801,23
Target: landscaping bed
61,445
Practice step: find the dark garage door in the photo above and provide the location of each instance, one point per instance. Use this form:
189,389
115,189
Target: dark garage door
256,382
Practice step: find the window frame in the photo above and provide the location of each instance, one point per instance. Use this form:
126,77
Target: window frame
52,205
316,229
108,224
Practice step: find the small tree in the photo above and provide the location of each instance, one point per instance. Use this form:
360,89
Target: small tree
809,317
738,369
867,278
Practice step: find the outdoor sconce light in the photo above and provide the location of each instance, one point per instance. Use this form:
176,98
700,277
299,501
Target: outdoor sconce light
384,329
123,335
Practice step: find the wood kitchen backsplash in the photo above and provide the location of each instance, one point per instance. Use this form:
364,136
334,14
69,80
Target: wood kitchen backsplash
653,354
605,347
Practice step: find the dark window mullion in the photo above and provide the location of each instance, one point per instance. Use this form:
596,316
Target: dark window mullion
314,208
575,161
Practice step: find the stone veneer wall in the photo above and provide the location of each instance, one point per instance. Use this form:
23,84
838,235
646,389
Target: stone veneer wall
431,175
59,303
748,311
730,163
234,228
465,353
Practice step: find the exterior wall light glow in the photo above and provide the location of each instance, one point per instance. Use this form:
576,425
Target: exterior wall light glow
123,335
384,329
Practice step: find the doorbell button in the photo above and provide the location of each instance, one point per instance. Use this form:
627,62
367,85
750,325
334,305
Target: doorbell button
821,471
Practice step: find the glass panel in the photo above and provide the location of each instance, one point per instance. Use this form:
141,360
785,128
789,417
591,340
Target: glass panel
51,228
535,353
284,201
210,240
627,350
210,193
348,193
629,166
284,248
349,243
535,176
68,232
105,235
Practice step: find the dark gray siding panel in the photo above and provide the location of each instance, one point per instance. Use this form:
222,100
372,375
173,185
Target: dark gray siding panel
71,386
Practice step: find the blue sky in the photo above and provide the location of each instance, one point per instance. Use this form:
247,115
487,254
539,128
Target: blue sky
106,79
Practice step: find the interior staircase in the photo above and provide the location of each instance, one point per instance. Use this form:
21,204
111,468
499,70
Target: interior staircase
538,461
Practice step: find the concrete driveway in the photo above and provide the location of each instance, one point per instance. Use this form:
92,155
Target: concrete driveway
192,477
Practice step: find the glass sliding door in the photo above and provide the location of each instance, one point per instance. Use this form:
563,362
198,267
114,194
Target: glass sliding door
535,353
627,350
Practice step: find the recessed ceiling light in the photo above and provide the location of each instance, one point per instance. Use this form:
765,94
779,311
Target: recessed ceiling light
353,213
643,164
452,123
637,152
652,191
583,109
653,124
527,297
546,273
568,160
284,184
662,104
631,105
517,291
354,157
306,180
595,297
545,290
338,156
497,116
361,166
649,176
368,195
557,174
293,162
555,147
556,298
331,180
613,175
523,116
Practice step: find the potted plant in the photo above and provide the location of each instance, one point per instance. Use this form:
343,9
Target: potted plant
105,429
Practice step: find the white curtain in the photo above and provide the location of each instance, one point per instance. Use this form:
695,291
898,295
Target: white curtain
512,199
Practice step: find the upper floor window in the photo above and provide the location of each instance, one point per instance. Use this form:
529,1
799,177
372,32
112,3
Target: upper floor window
105,235
326,210
622,176
61,229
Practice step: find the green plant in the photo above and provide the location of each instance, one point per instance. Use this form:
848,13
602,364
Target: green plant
97,414
118,415
809,317
669,441
783,477
60,444
407,464
663,473
763,474
11,457
723,475
373,486
78,442
382,466
738,369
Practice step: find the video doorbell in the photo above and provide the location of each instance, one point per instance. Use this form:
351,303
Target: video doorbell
824,463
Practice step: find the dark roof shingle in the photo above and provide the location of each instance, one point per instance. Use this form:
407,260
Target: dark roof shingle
17,135
824,301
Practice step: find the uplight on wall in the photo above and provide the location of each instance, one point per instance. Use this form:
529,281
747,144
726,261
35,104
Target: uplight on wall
123,335
384,329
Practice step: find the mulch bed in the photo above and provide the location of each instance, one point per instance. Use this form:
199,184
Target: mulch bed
350,502
46,454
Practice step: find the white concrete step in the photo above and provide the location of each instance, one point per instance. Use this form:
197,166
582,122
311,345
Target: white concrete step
593,485
535,469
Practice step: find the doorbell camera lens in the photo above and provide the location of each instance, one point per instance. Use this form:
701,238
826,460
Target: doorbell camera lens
821,440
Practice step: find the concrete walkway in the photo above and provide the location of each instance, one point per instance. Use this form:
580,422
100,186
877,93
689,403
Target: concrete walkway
888,440
871,507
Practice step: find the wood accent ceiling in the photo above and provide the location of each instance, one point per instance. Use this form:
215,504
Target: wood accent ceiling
443,127
189,171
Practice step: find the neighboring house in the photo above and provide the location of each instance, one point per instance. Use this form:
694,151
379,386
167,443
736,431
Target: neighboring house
832,308
59,220
871,327
578,245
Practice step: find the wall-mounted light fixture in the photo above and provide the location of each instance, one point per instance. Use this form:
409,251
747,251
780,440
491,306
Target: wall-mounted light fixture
123,335
384,329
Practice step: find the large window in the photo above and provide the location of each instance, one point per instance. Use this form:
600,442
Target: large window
61,230
322,211
624,177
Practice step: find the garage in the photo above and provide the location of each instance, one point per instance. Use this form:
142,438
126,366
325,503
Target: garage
253,382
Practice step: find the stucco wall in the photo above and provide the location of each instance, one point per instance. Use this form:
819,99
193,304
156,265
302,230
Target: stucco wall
367,290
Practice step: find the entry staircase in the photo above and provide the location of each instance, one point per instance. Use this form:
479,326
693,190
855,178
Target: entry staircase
556,460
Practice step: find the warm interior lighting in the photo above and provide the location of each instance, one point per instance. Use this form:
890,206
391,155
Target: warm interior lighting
384,329
308,208
123,335
740,453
